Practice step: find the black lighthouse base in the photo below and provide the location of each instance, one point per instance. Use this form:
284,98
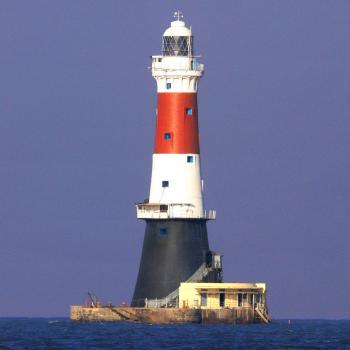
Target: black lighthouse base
172,252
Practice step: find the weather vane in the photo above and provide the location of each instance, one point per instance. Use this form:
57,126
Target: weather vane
178,15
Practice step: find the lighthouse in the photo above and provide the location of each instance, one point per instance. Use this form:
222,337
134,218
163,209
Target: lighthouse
175,247
180,279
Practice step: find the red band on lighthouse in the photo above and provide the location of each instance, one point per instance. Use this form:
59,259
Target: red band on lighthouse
177,123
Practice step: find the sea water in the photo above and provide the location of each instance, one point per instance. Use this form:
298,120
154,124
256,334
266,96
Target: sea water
58,334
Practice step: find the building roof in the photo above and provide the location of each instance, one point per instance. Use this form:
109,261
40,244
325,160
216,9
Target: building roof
225,285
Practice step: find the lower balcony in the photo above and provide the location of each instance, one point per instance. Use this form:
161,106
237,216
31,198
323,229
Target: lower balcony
172,211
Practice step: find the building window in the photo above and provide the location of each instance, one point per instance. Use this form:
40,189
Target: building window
168,86
204,299
189,159
163,231
167,136
240,299
165,183
222,299
189,111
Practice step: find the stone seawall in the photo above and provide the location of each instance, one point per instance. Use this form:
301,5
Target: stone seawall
163,315
235,315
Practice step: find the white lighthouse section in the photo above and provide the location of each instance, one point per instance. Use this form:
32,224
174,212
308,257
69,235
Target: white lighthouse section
177,182
176,189
177,70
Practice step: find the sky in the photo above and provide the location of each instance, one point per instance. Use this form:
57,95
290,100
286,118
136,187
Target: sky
77,106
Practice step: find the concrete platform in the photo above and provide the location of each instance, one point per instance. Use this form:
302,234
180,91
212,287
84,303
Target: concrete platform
164,315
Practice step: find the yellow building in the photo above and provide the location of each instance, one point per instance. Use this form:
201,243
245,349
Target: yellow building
222,295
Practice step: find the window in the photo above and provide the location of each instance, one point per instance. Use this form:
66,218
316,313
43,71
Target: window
168,86
189,111
194,64
189,159
167,136
163,231
204,299
163,208
240,299
222,300
165,183
159,60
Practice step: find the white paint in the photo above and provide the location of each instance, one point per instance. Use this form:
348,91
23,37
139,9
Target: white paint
184,182
182,72
173,211
178,28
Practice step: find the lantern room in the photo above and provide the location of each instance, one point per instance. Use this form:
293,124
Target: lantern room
177,39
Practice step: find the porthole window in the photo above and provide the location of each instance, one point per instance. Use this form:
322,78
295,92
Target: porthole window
163,231
190,159
189,111
167,136
165,183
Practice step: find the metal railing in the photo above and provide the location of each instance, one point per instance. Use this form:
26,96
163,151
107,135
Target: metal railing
172,300
189,64
172,211
198,68
210,214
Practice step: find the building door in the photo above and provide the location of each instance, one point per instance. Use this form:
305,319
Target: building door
222,299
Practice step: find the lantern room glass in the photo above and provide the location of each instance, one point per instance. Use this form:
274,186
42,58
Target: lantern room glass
177,45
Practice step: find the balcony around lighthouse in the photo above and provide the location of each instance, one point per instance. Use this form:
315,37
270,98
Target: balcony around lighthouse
183,65
172,211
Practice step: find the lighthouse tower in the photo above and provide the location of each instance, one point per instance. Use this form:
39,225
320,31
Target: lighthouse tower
175,247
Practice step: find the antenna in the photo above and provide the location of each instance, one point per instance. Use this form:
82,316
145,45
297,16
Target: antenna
178,15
